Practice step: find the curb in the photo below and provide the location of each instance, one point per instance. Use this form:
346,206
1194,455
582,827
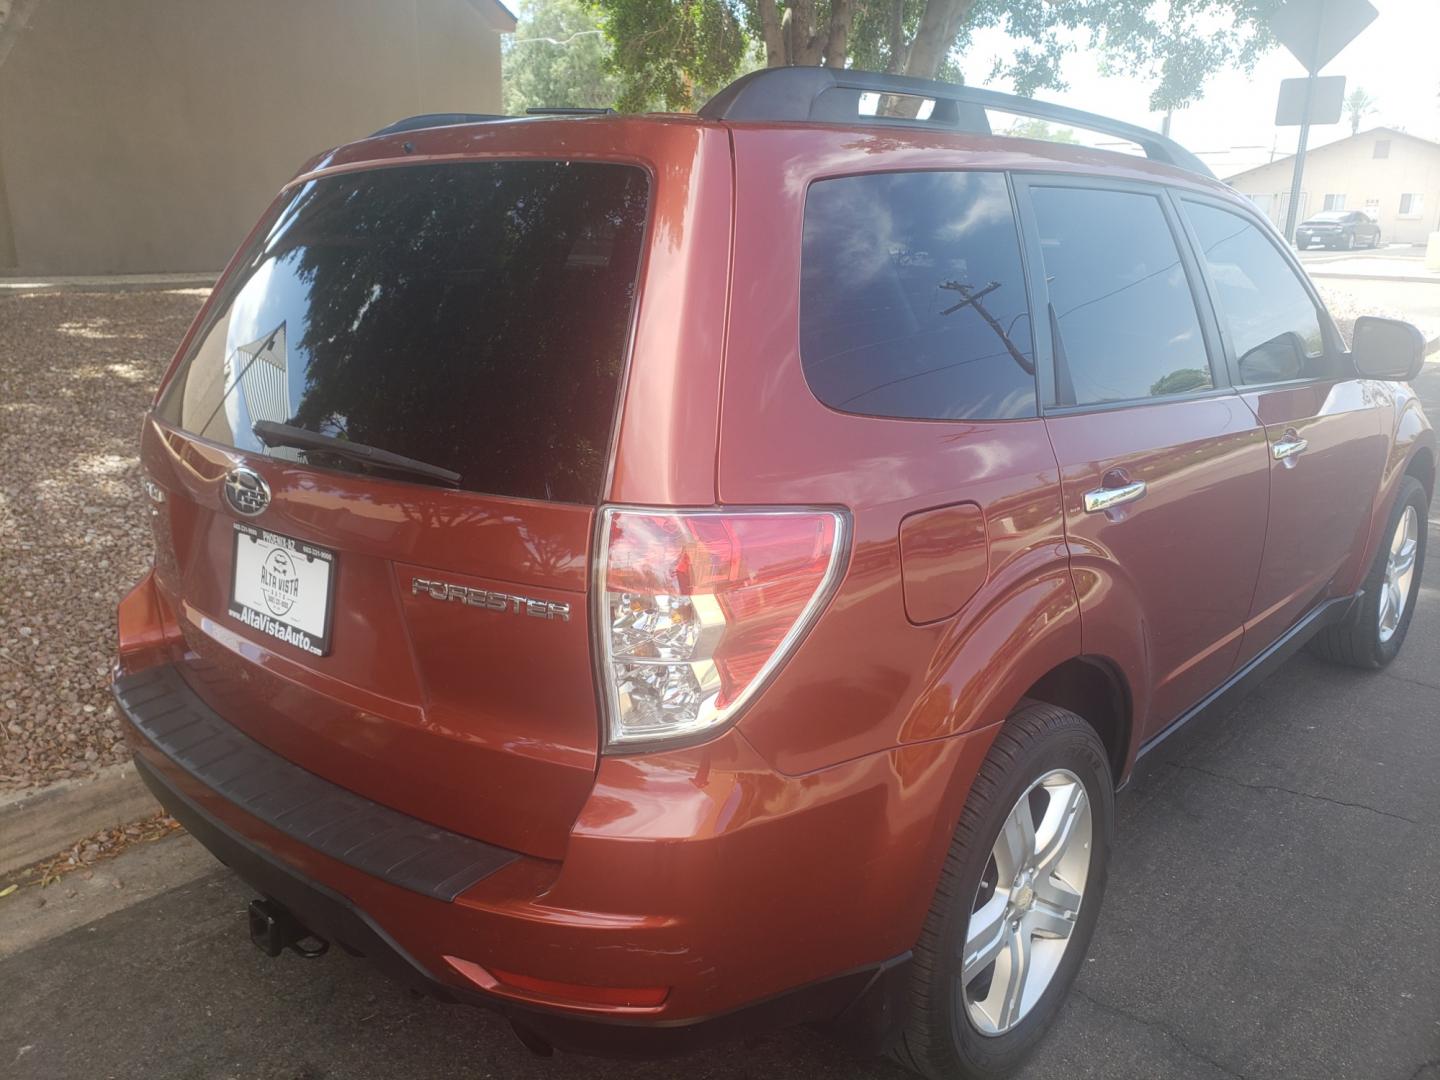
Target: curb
38,823
19,285
1429,279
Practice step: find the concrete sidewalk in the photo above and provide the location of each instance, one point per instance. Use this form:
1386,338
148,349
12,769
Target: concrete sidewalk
1399,263
10,286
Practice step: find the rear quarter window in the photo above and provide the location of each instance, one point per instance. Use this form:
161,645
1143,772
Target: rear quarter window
912,297
473,316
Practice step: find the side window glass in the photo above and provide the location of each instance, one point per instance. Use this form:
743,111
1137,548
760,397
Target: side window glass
912,299
1121,308
1274,327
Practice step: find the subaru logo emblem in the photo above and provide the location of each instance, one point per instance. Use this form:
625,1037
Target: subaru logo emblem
246,491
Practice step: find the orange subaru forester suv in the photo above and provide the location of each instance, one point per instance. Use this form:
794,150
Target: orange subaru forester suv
660,576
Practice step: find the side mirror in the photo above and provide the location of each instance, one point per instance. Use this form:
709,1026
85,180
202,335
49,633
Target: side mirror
1387,348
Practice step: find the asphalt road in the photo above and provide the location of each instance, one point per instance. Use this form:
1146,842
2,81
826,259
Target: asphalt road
1272,912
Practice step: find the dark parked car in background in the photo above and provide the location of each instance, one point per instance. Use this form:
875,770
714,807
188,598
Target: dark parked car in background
1338,229
662,577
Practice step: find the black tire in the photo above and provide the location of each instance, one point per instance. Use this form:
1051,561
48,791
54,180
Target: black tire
1356,641
1348,241
939,1039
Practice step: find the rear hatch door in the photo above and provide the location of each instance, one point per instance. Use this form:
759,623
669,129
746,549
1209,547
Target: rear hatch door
382,457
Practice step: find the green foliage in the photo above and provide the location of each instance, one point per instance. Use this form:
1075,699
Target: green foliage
1183,381
671,50
568,69
1039,129
1358,105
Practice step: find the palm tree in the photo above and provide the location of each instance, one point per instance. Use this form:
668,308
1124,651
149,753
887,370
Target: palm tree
1358,104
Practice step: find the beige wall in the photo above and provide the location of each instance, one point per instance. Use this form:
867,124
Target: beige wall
1350,168
148,135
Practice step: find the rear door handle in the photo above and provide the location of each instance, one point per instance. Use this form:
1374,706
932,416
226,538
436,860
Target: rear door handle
1105,498
1289,445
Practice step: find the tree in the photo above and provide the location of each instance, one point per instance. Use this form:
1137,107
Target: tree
674,52
1358,105
1039,129
557,58
669,48
15,16
1181,381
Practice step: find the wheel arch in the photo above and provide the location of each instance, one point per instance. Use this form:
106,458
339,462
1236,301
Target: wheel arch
1094,689
1422,467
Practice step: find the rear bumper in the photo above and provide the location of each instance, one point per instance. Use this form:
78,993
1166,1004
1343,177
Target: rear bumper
757,900
868,998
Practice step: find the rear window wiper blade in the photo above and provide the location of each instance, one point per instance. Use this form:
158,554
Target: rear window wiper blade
273,434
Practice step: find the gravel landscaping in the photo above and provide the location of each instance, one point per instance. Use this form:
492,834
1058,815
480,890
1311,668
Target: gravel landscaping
76,373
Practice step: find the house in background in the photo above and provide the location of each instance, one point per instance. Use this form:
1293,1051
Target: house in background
148,135
1392,175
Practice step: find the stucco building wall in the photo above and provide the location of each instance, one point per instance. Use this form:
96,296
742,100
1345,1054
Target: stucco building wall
1351,168
148,135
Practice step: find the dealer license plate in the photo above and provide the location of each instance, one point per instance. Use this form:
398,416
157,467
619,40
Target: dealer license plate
283,588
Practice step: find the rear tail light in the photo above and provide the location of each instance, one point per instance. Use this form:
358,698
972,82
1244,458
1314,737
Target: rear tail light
698,608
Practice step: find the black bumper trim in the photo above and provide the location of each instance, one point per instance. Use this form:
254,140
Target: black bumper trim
340,824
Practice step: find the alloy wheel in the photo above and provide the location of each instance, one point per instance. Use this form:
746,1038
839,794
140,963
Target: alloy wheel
1399,572
1027,903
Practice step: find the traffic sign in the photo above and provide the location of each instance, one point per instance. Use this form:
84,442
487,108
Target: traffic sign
1327,101
1316,30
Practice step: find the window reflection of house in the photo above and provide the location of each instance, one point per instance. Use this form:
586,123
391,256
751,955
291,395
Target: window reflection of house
263,374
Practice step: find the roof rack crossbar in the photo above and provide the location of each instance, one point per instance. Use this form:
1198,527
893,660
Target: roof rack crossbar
830,94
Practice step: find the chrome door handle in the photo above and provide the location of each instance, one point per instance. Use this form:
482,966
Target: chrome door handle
1288,447
1104,498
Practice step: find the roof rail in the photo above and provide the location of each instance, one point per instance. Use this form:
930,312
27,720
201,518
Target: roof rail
833,95
439,119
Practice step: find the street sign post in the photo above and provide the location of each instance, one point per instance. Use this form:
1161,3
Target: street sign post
1314,31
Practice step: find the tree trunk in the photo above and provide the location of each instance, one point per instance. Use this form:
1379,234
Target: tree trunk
792,38
803,44
14,18
837,45
939,24
897,38
774,34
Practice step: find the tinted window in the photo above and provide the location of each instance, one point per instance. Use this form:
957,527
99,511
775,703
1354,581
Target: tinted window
1123,313
912,300
473,316
1274,327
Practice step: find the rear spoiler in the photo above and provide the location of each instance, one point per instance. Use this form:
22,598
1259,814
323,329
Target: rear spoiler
452,119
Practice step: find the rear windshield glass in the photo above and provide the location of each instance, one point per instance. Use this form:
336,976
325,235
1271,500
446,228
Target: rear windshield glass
469,316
